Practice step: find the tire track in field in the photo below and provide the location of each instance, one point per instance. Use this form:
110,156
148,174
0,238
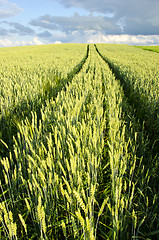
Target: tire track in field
9,122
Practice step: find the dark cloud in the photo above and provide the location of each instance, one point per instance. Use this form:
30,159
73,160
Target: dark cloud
110,21
45,34
19,29
137,27
44,22
3,31
77,23
133,17
8,9
118,7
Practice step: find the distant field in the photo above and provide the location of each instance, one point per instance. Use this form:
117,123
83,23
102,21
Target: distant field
150,48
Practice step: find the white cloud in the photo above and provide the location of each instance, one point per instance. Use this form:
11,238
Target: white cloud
5,43
84,37
125,39
45,21
110,21
36,41
57,42
13,43
9,9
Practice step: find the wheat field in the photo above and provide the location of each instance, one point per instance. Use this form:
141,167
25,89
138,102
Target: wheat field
79,129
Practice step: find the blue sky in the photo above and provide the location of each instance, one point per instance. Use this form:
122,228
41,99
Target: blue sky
25,22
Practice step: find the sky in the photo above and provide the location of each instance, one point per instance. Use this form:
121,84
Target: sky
36,22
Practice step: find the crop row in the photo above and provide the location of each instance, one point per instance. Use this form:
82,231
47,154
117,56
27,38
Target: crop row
56,164
29,78
21,67
138,72
131,69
